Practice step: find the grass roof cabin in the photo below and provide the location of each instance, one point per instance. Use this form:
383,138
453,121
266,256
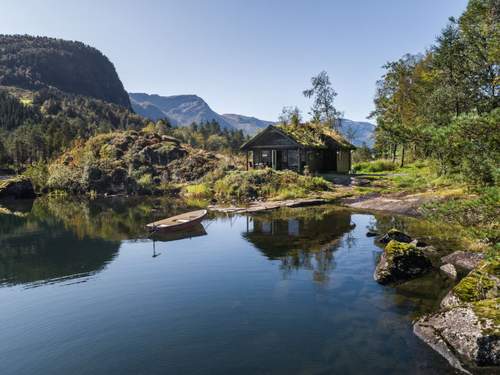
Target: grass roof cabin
294,147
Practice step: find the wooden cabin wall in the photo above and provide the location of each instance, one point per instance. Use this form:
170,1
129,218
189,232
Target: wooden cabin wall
343,161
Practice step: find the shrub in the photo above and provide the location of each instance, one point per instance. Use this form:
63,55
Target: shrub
197,191
267,183
38,174
374,166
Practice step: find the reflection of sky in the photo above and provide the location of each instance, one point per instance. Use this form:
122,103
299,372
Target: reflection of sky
219,300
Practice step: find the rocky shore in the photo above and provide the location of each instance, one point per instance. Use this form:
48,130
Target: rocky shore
466,329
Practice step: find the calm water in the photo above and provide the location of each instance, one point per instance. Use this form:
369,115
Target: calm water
85,291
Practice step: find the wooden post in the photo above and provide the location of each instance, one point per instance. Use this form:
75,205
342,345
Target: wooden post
300,163
246,153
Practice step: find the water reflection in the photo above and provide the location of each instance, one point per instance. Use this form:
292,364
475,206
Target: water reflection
217,296
300,238
55,239
35,252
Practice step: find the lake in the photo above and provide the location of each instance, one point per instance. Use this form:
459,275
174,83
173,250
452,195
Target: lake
86,290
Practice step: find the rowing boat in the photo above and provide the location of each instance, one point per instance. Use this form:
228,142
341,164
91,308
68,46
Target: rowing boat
177,222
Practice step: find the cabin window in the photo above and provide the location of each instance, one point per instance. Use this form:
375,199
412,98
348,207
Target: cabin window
265,157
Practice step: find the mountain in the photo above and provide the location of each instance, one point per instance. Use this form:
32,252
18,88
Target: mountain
358,132
249,125
34,63
182,110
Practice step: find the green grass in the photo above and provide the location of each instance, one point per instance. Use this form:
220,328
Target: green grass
244,186
197,191
375,166
477,214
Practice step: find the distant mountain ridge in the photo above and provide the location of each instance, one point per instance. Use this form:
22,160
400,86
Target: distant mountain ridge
362,132
183,110
34,63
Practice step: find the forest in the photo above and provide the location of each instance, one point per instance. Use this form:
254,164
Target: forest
443,104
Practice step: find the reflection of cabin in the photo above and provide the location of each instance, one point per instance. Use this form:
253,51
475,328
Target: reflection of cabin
307,230
319,148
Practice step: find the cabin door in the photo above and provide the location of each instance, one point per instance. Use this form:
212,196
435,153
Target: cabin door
277,159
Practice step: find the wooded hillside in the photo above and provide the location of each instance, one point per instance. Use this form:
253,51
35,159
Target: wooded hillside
36,62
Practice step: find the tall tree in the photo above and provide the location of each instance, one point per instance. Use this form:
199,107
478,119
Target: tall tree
323,109
290,115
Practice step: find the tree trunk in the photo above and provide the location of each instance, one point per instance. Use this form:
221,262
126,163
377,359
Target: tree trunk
402,157
394,149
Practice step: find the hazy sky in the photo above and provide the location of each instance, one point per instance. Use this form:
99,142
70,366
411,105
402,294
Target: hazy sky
247,57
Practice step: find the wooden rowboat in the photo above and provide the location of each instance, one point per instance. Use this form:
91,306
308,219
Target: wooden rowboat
177,222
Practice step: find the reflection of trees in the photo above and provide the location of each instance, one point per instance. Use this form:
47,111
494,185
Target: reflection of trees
32,252
114,219
300,238
57,238
442,235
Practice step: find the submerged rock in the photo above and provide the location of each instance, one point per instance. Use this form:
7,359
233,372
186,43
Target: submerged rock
448,270
17,187
465,261
371,233
400,261
467,335
396,235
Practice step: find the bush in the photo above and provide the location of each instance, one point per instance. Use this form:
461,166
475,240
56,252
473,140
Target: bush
470,146
197,191
267,183
374,166
38,174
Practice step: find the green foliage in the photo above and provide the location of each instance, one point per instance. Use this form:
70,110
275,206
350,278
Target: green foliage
250,185
54,121
479,215
210,136
444,105
323,109
38,174
374,166
13,113
128,162
199,191
470,145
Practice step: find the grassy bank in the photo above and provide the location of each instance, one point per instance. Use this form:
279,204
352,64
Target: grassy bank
261,184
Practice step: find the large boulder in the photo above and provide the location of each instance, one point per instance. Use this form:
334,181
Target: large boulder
17,188
396,235
464,261
467,335
401,261
481,283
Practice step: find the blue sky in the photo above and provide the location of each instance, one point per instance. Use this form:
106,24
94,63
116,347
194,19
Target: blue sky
247,57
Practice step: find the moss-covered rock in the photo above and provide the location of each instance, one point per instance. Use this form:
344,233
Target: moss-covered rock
468,336
401,261
128,162
17,188
481,283
394,234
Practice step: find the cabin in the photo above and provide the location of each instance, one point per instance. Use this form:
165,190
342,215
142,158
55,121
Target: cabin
296,147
